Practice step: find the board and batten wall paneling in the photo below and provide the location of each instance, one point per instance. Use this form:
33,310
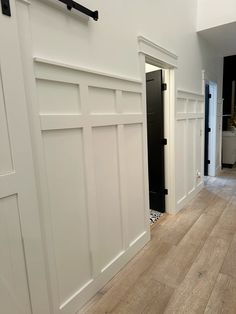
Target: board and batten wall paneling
189,130
92,136
135,183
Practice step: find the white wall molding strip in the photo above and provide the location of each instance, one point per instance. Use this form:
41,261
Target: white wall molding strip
83,69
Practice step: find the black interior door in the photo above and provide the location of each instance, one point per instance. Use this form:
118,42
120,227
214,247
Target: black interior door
207,130
155,133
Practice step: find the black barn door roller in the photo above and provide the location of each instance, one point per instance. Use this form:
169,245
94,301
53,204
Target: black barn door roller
74,5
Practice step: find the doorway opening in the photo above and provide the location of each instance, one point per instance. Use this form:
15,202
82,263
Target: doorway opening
212,139
155,89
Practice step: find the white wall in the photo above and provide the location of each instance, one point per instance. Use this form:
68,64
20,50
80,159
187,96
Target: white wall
110,44
212,13
212,65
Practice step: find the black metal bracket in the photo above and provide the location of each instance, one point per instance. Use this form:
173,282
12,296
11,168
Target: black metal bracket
6,9
74,5
164,141
163,87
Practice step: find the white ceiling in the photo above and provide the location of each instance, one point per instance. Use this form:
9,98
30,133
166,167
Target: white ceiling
222,37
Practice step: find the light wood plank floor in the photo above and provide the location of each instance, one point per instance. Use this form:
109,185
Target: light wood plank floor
189,266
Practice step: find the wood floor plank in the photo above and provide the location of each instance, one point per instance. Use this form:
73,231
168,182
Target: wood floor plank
223,297
226,227
176,226
179,259
229,265
155,294
217,205
193,293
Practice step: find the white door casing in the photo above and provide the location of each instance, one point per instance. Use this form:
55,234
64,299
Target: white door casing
212,167
183,119
215,123
153,54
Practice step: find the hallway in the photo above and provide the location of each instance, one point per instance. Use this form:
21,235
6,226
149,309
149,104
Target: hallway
188,266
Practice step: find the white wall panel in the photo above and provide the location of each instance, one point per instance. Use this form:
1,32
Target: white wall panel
102,100
189,146
181,159
134,181
181,105
199,146
132,102
191,106
67,200
107,194
58,97
200,106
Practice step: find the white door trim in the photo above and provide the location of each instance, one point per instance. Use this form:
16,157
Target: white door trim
152,53
213,106
212,124
159,55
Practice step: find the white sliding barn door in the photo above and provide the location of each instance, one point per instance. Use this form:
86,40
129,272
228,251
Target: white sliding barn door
14,294
18,227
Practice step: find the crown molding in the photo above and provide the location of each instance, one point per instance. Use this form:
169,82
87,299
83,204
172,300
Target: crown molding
152,50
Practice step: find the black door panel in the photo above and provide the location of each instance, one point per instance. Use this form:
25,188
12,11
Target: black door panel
207,130
155,131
